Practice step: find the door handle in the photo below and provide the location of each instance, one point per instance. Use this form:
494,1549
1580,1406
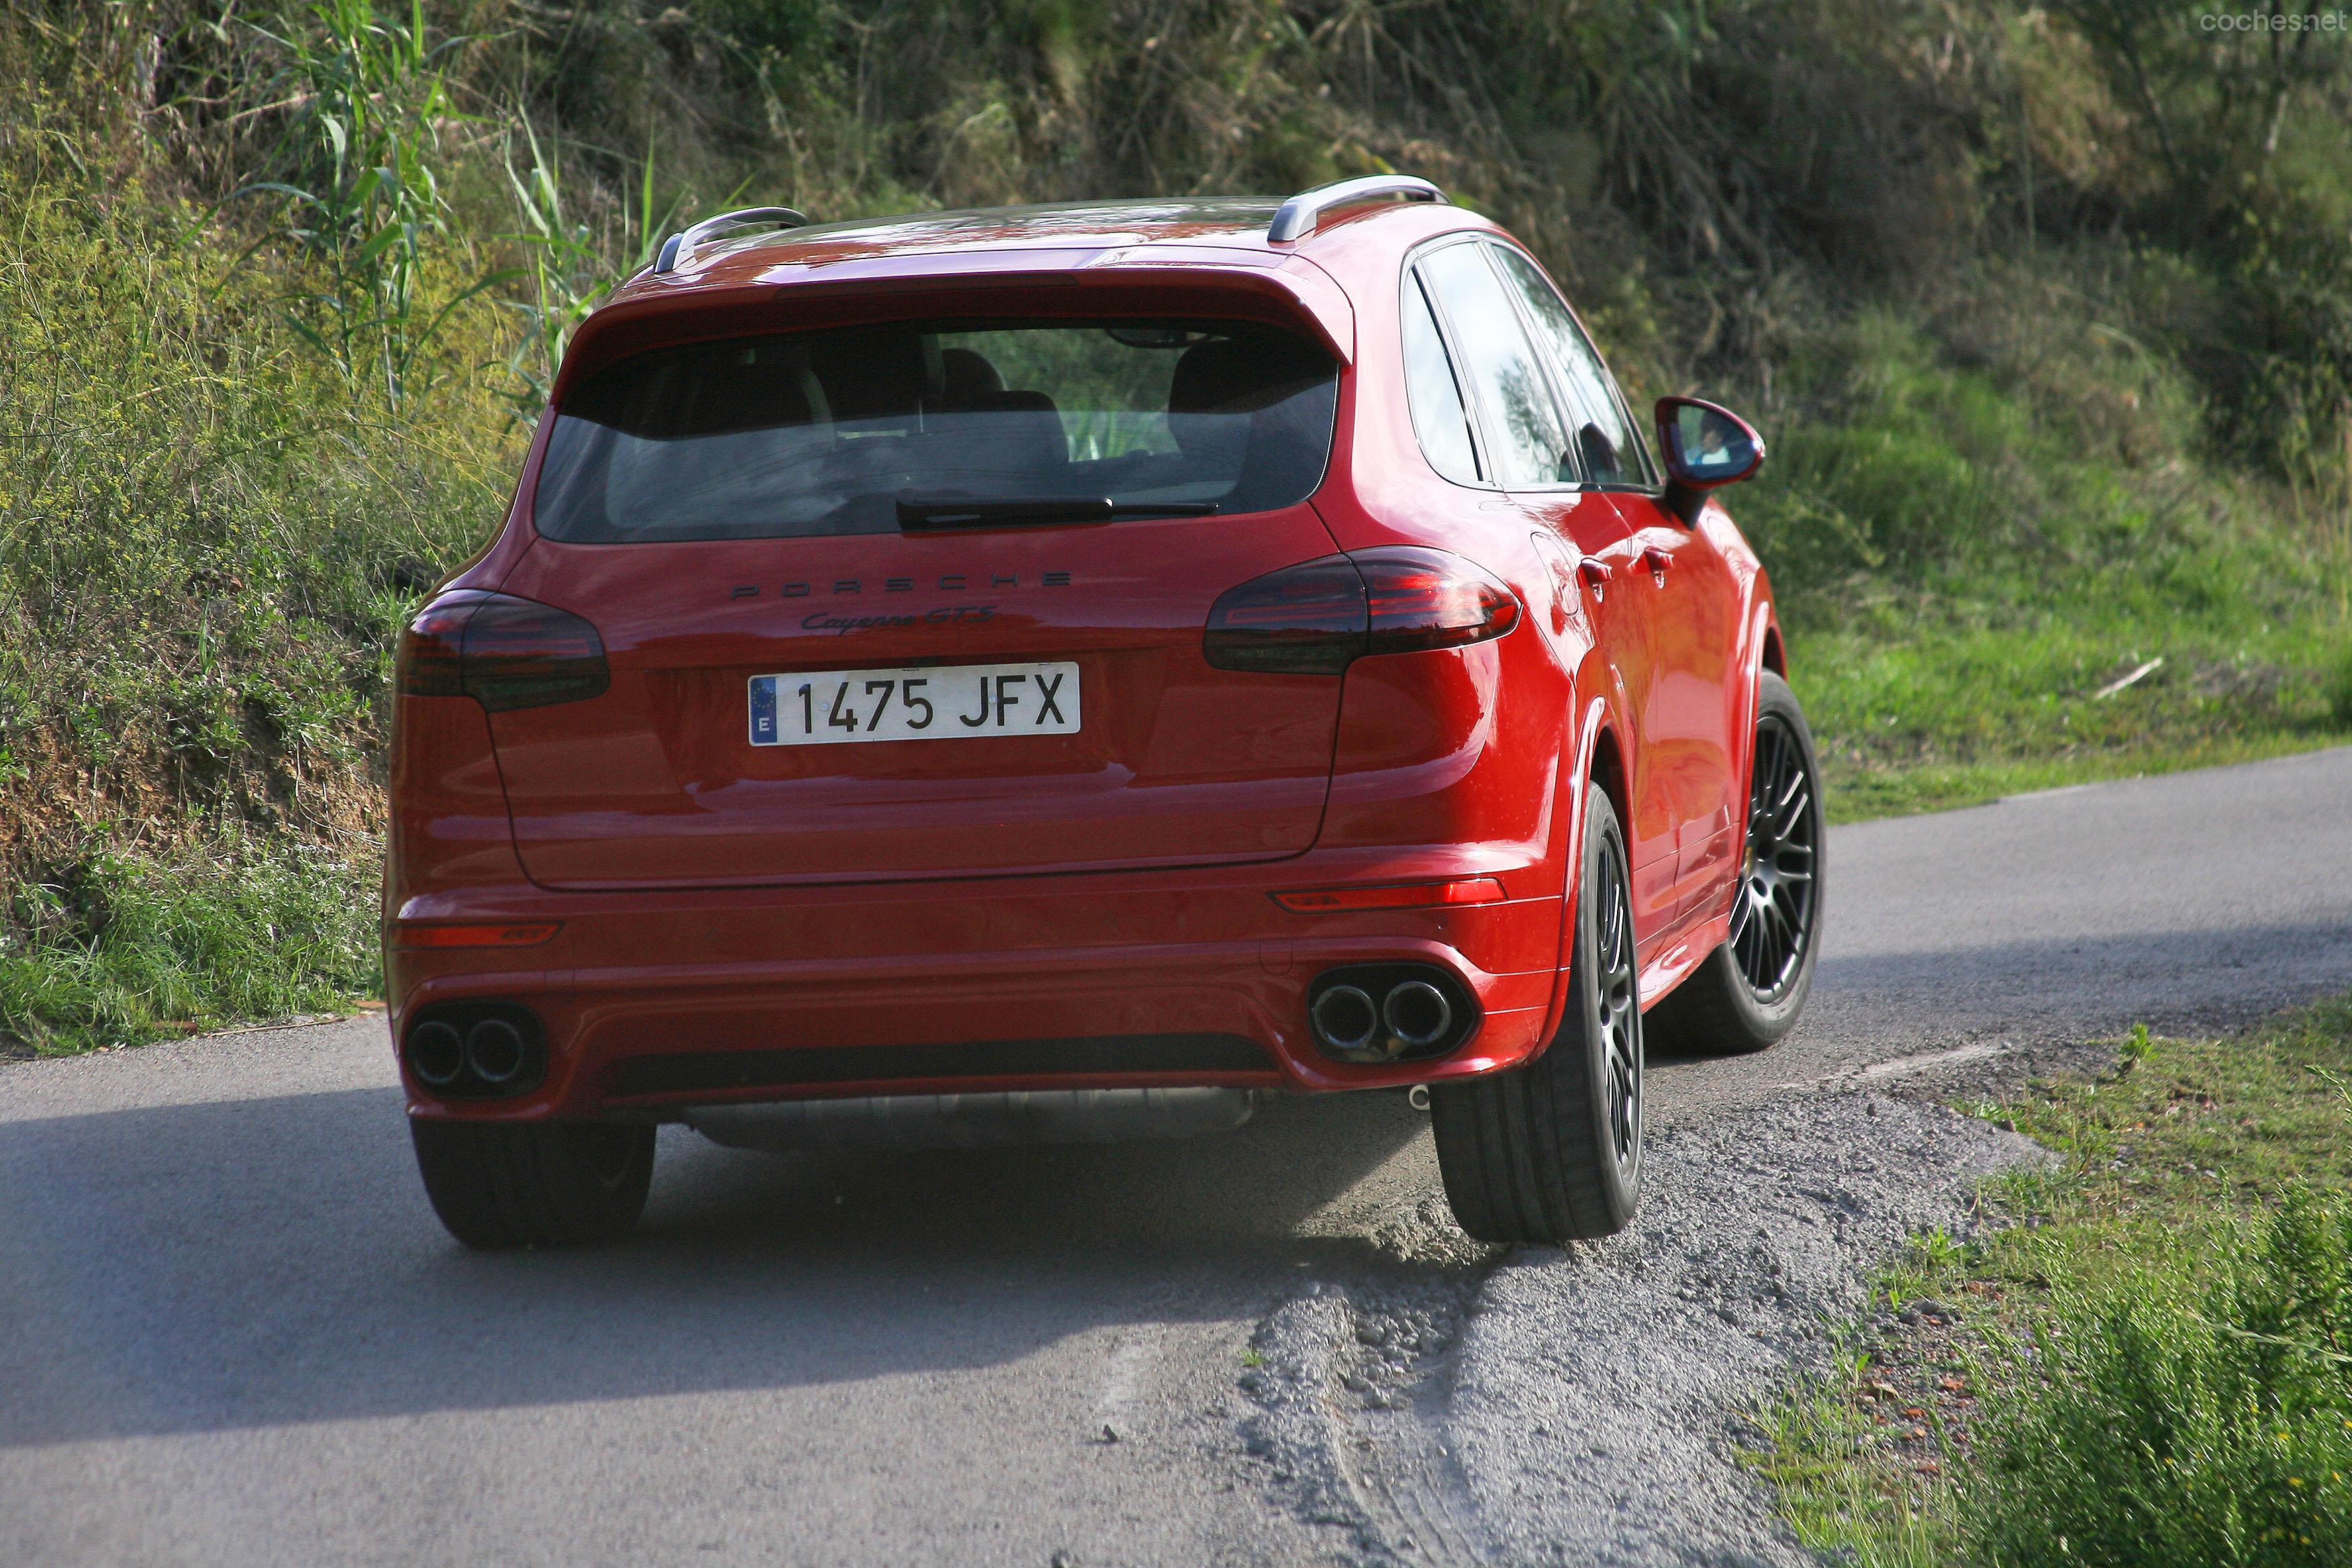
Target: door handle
1657,559
1596,576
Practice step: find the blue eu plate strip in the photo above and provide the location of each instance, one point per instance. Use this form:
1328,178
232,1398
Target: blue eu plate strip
764,711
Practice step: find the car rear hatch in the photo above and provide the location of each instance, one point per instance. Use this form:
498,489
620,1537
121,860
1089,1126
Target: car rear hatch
924,598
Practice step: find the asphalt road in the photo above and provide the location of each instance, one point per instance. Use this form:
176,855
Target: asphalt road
231,1332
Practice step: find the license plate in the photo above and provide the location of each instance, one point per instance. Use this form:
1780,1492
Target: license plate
842,707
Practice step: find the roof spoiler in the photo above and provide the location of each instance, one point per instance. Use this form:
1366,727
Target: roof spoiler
679,248
1296,219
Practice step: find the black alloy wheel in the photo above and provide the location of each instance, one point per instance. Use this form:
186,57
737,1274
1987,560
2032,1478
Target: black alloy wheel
1619,1009
1772,916
1747,992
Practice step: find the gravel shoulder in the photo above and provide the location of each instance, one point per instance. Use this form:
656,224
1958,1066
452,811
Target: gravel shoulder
1582,1405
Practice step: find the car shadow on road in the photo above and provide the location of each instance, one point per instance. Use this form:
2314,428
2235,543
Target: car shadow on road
258,1262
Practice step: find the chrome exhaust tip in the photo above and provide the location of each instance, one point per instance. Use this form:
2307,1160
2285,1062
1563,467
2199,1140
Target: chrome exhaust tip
1345,1019
1417,1014
437,1053
496,1051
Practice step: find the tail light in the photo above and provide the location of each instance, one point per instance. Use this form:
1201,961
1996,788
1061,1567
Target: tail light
1308,620
502,652
1317,617
1427,598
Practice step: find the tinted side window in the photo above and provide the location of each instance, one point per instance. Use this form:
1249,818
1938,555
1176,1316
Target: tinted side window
1438,416
1526,443
1607,446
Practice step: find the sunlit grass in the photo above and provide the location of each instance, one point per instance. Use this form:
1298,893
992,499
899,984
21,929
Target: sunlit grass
2163,1333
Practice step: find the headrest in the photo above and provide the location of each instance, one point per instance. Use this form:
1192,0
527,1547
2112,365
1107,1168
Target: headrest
968,377
1242,375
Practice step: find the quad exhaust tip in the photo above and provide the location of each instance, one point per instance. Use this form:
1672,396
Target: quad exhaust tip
495,1050
437,1053
462,1050
1418,1014
1385,1013
1346,1019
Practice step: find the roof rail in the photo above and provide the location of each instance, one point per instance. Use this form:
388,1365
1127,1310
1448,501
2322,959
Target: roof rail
1296,219
677,247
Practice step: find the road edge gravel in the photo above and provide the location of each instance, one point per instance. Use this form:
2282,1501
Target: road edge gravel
1459,1405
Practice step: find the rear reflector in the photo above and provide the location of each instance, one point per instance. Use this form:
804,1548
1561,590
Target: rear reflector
503,652
1411,896
1318,617
473,933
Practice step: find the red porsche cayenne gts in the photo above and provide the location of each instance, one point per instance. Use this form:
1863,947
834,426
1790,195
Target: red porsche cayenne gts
1065,672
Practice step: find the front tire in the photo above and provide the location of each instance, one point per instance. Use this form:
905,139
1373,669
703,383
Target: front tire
1552,1152
1746,994
498,1185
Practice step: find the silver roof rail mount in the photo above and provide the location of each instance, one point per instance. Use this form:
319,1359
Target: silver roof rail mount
678,247
1296,219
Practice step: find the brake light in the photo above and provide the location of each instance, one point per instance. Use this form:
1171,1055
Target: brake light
1427,598
503,652
1318,617
1407,896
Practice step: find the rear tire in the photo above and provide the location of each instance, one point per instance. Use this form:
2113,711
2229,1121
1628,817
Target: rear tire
1552,1152
496,1184
1746,994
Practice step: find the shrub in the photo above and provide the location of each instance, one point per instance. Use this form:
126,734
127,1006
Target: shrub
2154,1426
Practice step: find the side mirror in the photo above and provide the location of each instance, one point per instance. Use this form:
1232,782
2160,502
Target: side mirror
1705,445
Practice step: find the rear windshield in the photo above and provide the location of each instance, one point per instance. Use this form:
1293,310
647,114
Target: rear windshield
852,429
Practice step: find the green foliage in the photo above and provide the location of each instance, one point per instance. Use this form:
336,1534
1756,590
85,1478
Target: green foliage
223,929
366,146
207,536
1821,1457
2164,1337
2339,688
1970,553
2161,1427
572,266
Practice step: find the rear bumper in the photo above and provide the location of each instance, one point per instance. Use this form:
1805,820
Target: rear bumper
653,1002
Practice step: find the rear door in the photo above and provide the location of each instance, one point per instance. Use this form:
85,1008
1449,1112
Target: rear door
1531,446
1677,585
925,601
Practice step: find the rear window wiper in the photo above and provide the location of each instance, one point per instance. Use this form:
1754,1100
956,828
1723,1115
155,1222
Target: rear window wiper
918,512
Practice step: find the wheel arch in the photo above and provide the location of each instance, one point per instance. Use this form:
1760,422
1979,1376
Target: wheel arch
1765,651
1607,769
1600,759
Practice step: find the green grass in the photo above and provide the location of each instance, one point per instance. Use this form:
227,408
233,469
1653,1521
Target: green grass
1971,557
222,930
209,533
2161,1341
